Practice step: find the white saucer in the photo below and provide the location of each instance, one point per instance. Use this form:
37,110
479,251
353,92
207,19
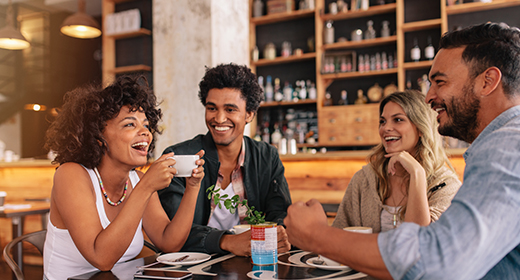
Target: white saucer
193,258
325,266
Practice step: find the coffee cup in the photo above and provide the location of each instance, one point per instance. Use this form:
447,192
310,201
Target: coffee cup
185,164
2,198
359,229
238,229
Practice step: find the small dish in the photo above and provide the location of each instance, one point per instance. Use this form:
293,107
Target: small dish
178,258
324,266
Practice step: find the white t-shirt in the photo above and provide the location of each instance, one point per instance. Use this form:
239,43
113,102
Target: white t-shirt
222,219
61,257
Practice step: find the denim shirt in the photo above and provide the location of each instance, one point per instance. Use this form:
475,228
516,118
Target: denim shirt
479,235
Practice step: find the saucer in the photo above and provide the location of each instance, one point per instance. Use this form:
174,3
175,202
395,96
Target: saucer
174,258
324,266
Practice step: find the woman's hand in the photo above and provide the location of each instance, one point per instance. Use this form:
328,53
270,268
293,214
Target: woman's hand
406,161
197,174
160,173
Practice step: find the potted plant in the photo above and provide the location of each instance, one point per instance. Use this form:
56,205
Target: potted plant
253,217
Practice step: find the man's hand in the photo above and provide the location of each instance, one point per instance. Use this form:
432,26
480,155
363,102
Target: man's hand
305,222
283,240
237,244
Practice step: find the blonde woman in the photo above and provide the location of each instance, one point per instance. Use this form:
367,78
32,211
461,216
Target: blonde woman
409,177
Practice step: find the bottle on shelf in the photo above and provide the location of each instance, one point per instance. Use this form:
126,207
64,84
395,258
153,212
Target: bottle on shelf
276,136
312,91
265,133
258,135
415,52
258,8
408,84
371,32
385,30
328,33
349,64
328,100
261,84
303,91
384,61
342,6
270,51
286,49
378,61
343,64
354,5
255,54
365,4
361,63
343,100
296,92
390,61
287,91
269,90
278,95
361,98
333,8
429,51
367,62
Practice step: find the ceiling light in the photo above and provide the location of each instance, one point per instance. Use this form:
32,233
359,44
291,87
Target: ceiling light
80,25
10,37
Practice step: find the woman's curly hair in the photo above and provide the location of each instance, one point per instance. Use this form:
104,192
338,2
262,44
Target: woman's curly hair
77,133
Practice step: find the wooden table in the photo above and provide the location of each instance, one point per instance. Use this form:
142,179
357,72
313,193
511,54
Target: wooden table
17,217
290,265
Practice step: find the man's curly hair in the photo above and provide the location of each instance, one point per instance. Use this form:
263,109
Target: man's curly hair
77,133
233,76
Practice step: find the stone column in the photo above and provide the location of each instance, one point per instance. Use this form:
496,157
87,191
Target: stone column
189,35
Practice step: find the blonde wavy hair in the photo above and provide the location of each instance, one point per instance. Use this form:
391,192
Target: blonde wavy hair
429,151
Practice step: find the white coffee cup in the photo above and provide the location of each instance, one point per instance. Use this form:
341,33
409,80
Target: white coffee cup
185,164
238,229
359,229
2,198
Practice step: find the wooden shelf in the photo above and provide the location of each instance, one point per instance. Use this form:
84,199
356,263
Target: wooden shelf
422,25
477,6
417,65
362,43
349,75
374,10
287,103
279,17
131,68
281,60
140,32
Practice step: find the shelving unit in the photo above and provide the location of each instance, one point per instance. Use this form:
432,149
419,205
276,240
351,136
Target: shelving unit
409,19
110,68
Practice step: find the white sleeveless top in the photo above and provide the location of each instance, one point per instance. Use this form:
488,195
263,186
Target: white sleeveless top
61,257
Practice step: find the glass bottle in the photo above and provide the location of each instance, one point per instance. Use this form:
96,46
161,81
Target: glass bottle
371,32
384,61
390,61
361,98
415,52
269,91
328,33
367,62
261,83
343,100
303,91
365,4
328,100
265,133
258,8
312,92
276,136
385,30
361,64
378,61
343,65
286,49
429,51
287,91
255,54
278,95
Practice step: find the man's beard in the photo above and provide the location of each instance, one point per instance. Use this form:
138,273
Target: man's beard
462,122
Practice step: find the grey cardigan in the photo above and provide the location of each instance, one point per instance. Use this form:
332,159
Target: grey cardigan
361,205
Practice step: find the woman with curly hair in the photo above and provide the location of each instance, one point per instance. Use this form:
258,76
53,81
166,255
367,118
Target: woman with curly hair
99,202
409,177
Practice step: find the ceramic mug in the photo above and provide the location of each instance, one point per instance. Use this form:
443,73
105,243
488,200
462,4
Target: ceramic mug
185,164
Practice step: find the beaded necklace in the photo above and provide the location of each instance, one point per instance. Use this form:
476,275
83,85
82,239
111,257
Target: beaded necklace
105,192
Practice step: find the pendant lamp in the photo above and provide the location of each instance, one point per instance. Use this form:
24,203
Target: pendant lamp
10,37
80,25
